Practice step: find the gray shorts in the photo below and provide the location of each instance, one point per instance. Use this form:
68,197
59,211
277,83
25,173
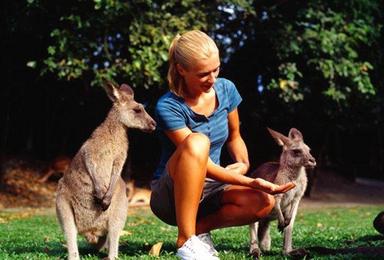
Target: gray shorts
163,200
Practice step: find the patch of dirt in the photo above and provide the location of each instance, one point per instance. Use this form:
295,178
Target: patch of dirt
20,188
331,189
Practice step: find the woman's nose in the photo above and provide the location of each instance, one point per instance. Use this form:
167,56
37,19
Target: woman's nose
212,78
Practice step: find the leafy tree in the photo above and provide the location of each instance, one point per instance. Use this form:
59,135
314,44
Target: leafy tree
314,65
322,47
127,40
291,60
315,46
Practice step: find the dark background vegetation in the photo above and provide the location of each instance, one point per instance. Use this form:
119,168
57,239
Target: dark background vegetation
313,65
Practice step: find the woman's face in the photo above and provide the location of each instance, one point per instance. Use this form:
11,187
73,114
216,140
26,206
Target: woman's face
201,76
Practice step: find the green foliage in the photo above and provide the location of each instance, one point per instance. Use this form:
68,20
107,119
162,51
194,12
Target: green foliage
40,237
288,85
318,47
323,46
111,39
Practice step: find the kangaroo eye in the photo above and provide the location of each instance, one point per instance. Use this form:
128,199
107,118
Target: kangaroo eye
137,110
296,152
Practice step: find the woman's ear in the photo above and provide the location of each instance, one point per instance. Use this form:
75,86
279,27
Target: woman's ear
180,69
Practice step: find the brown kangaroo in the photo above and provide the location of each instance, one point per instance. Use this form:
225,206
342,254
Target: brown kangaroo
294,160
91,196
137,196
59,165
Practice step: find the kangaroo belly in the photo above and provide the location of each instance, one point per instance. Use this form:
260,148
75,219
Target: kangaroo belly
91,220
286,201
88,215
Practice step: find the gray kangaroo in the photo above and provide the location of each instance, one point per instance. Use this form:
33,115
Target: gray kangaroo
294,160
91,196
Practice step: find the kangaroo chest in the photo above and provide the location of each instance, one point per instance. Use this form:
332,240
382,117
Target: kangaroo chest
286,200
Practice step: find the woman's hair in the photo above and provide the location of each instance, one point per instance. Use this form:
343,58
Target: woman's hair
186,49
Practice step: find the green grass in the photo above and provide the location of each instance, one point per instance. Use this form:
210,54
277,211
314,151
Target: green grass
339,232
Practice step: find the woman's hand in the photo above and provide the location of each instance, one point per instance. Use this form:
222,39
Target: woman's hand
270,187
237,168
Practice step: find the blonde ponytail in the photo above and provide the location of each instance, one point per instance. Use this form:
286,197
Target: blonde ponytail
173,76
186,49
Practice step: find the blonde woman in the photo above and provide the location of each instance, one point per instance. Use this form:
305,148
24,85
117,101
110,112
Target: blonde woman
195,119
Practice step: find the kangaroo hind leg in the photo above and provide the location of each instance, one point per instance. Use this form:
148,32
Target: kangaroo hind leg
117,218
254,249
67,221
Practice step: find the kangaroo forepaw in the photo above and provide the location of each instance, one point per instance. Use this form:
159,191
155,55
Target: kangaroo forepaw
106,201
98,200
287,221
105,206
281,226
98,195
103,203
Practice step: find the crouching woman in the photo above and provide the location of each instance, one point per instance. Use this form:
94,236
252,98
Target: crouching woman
196,118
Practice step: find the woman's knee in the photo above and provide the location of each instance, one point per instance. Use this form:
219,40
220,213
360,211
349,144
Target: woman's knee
191,153
253,203
196,144
267,202
259,203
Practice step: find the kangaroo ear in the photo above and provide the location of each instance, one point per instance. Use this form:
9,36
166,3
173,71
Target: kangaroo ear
279,138
126,89
112,91
295,134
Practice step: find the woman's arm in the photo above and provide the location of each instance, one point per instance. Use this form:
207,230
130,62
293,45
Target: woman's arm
236,146
229,176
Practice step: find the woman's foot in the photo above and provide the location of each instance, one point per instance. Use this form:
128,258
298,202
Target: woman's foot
206,239
195,249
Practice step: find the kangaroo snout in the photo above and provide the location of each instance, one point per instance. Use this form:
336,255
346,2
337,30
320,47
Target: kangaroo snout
151,126
311,163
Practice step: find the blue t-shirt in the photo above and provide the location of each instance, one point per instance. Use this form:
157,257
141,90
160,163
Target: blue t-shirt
173,113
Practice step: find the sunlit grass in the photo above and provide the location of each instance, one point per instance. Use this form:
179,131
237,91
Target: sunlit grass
327,233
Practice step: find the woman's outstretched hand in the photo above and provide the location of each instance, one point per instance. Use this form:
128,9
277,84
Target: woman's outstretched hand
270,187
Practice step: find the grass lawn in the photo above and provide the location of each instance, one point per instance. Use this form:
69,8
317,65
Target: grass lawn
328,233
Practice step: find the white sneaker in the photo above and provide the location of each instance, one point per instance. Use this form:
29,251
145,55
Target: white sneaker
206,239
195,249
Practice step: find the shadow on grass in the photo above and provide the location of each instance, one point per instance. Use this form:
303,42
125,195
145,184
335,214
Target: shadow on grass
230,246
366,247
56,249
128,249
366,251
132,248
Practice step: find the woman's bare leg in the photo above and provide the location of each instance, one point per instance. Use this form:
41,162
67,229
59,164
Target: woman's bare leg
187,167
241,206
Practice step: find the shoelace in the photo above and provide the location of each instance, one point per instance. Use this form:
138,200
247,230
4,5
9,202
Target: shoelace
190,247
207,240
